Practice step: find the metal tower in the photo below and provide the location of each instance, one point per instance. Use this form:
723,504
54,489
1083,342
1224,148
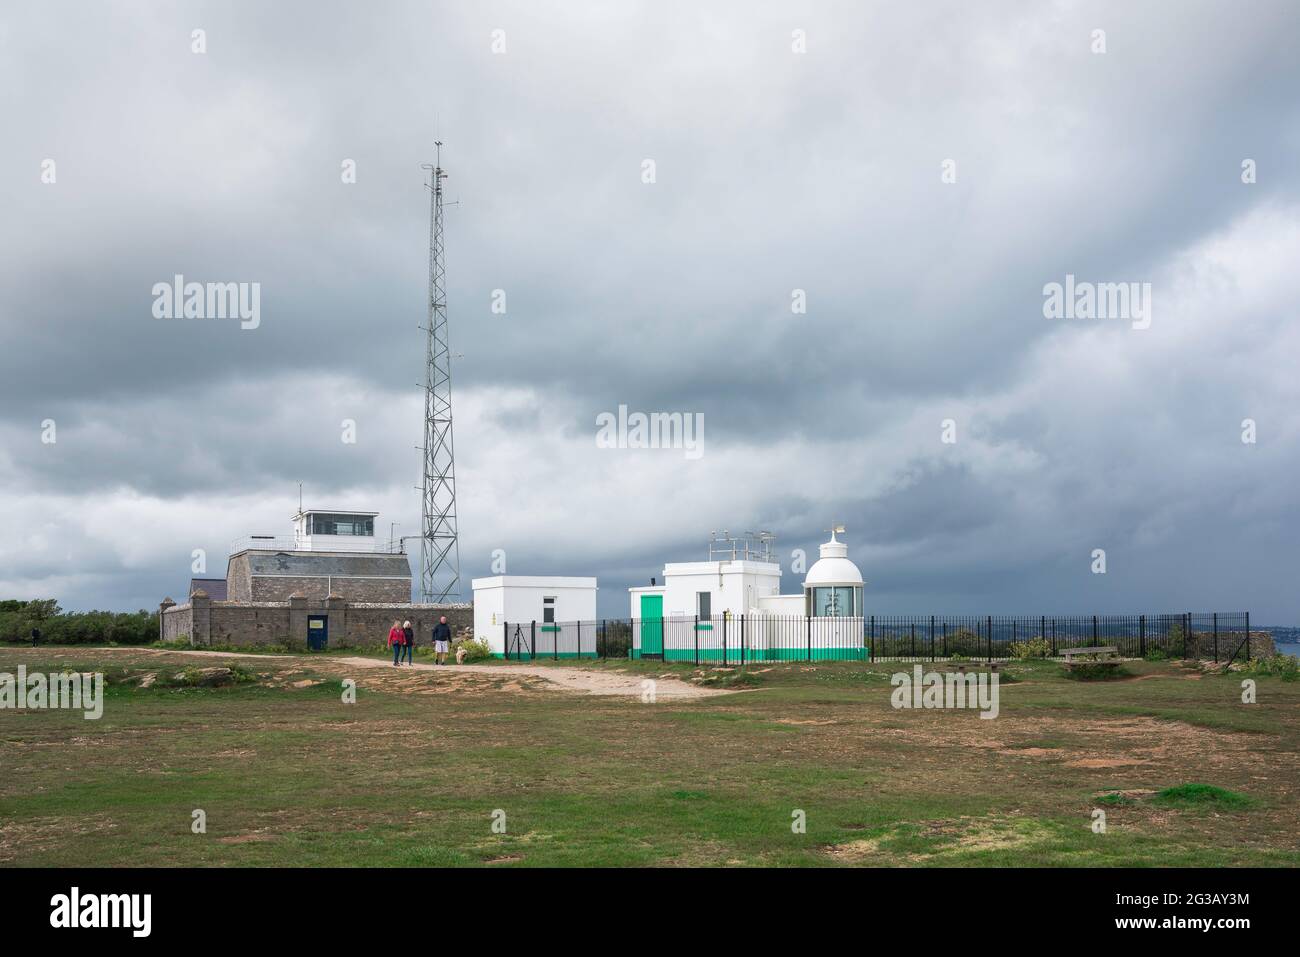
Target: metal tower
439,547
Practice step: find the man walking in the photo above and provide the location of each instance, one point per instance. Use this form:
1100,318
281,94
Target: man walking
441,640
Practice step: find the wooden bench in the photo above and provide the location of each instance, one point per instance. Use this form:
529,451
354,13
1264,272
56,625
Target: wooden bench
1105,655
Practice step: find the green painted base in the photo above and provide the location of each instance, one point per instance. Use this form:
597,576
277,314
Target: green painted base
733,655
547,655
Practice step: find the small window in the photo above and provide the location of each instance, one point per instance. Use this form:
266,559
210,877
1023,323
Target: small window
548,610
704,604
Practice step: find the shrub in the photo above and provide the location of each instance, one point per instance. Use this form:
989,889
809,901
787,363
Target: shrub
1085,671
1156,654
960,640
1176,640
1286,667
617,640
57,627
476,649
1036,647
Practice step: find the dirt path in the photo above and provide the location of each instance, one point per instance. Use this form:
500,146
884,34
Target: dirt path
578,680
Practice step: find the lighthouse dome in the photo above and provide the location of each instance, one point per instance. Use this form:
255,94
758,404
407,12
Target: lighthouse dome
833,586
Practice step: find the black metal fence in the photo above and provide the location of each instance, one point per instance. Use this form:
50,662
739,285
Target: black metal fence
745,639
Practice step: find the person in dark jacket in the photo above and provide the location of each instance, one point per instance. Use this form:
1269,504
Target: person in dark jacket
441,640
409,632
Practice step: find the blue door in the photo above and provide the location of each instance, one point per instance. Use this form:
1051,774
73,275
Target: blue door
318,632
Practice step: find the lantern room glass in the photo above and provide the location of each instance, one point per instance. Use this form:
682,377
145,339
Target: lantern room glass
835,601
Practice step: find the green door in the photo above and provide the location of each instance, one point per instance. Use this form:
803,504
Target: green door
652,626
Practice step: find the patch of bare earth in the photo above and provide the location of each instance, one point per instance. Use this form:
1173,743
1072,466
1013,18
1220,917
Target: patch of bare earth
439,679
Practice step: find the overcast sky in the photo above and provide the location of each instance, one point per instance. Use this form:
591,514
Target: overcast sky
774,170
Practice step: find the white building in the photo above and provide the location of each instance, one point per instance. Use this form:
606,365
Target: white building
545,614
332,530
730,608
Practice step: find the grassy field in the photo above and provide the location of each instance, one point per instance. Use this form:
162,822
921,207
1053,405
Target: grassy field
411,774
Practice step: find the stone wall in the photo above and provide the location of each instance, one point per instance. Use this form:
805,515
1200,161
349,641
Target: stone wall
379,590
206,622
175,622
238,586
1203,645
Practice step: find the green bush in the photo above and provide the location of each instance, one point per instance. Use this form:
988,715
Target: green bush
1176,641
1094,671
617,641
476,649
1286,667
57,627
960,640
1036,647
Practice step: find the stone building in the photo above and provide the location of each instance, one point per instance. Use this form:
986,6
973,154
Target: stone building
331,585
258,575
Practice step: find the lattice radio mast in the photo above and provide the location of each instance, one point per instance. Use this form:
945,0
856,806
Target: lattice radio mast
439,547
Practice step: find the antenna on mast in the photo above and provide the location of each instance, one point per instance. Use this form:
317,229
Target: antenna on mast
439,546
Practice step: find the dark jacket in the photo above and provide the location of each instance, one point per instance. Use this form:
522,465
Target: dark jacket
410,635
441,632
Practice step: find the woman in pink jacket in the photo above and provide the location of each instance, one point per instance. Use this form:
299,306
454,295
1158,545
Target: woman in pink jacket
396,639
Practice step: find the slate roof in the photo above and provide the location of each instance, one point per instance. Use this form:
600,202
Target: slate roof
378,565
215,587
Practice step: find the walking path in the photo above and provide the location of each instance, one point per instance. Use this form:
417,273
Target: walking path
578,680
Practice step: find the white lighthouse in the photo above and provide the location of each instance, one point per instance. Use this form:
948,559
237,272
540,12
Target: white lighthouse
710,610
833,586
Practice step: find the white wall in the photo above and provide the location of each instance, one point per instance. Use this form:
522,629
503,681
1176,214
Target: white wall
519,599
735,587
782,604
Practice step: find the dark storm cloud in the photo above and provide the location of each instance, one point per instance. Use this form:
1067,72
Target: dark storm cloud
775,172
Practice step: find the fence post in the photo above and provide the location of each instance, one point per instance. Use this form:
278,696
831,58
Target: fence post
742,639
989,633
810,637
697,639
872,650
724,639
505,640
1142,636
1248,636
1094,631
578,628
1187,635
602,640
1216,637
932,637
532,641
945,639
1053,637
